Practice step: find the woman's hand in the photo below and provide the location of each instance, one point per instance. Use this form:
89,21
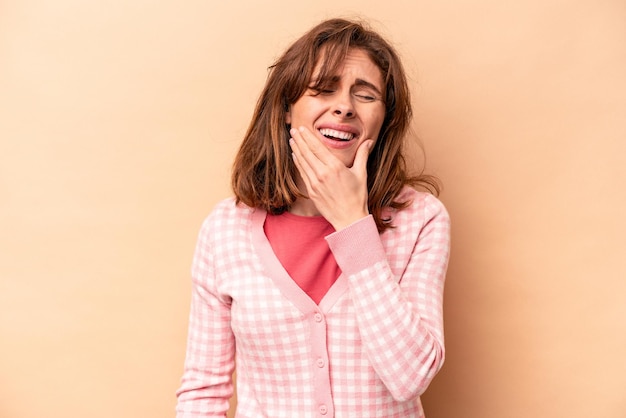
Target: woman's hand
338,192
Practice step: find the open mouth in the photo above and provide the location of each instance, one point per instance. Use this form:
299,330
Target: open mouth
336,135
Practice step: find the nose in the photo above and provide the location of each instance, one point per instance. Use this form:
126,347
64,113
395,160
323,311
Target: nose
343,106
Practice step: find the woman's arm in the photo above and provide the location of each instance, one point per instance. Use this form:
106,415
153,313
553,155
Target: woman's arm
207,379
400,319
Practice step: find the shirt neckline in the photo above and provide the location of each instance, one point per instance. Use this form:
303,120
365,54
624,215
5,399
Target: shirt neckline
281,278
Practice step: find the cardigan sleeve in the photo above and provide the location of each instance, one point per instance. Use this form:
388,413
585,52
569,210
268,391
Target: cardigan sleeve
207,379
400,319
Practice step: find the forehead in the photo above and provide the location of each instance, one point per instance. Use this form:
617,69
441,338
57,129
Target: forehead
356,64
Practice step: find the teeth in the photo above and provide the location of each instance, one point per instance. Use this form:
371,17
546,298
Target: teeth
341,135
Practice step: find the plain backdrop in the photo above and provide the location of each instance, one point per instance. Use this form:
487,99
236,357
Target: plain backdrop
118,124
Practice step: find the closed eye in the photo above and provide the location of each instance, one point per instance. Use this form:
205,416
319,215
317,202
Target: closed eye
366,98
362,94
318,91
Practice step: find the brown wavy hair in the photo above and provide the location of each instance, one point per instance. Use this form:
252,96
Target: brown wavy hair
264,174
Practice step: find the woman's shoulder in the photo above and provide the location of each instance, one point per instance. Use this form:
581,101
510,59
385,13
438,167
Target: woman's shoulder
229,205
420,200
227,212
421,205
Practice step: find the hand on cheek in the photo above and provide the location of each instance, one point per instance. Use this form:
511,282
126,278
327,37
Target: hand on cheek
338,192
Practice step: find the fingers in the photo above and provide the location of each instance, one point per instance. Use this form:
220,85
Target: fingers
338,192
301,164
362,154
311,148
301,161
316,162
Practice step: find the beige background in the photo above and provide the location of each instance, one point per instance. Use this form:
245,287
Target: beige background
118,123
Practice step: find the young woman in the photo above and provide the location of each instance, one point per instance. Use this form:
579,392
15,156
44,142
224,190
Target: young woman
322,279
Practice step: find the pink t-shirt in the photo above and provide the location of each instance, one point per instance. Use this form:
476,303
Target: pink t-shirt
299,245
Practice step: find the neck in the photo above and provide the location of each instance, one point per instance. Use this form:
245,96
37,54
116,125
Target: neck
304,207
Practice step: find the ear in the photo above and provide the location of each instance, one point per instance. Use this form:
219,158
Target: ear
288,116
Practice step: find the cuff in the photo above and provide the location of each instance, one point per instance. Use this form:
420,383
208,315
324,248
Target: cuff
357,247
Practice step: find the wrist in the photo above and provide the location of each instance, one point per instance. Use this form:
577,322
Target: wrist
346,222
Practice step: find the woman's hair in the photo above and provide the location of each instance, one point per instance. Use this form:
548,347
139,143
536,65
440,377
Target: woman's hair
264,174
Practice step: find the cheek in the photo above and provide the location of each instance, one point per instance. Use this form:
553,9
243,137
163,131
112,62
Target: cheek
376,117
376,124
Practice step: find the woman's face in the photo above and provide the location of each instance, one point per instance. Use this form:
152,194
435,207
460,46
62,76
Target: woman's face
348,112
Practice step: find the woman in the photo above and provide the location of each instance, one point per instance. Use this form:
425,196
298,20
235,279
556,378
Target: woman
323,277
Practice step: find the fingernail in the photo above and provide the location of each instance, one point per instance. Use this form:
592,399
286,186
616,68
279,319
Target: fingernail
292,131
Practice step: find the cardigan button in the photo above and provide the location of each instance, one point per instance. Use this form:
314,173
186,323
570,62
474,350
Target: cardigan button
318,317
320,363
323,409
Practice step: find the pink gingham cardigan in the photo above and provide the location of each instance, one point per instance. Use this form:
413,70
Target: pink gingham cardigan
369,349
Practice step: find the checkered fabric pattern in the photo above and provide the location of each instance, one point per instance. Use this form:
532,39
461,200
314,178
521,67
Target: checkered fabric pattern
369,349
